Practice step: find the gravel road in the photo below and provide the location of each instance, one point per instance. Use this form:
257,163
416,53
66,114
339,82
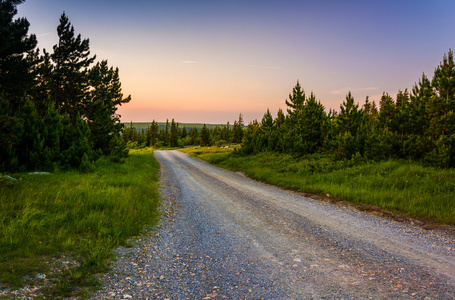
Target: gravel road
225,236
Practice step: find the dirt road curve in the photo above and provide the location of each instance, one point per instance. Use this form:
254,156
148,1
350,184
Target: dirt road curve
224,236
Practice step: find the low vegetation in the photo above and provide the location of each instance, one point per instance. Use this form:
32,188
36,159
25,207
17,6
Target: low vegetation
61,228
395,185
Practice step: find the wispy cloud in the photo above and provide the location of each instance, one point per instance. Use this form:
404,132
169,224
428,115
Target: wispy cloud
45,34
262,67
346,90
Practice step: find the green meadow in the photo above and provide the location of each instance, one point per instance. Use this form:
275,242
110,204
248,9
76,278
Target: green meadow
64,226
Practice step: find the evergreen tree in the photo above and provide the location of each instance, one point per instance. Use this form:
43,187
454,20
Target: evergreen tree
237,130
153,133
224,134
387,112
444,79
280,118
165,133
279,132
402,113
193,136
419,100
442,101
402,98
79,137
250,144
228,132
267,120
103,100
118,149
311,124
10,133
265,138
173,135
184,133
205,136
30,142
54,130
296,101
41,90
350,117
16,77
71,58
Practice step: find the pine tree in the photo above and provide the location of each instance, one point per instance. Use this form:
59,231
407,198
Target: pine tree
402,98
387,112
118,149
193,136
420,97
296,100
30,143
100,110
267,120
71,58
10,133
173,134
237,130
350,117
443,100
41,89
279,132
348,123
79,137
311,125
205,136
402,113
153,133
184,133
250,144
444,78
280,118
16,77
54,130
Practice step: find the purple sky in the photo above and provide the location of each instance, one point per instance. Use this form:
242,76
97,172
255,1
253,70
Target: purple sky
208,61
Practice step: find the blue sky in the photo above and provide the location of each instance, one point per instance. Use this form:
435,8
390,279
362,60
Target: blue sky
208,61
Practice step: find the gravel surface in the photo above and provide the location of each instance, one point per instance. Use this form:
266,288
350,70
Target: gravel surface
225,236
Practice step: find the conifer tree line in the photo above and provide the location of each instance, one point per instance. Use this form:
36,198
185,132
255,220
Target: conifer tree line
174,135
417,125
58,108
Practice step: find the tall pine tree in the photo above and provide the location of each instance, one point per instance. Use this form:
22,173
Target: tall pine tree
71,58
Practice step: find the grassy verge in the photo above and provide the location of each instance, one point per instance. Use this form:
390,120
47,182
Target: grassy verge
408,188
61,229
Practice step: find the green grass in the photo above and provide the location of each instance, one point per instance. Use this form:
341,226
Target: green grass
72,222
398,186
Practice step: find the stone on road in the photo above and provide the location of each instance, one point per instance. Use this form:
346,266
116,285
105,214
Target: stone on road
225,236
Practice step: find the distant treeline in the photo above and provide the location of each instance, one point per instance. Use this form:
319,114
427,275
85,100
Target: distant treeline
173,134
418,125
57,110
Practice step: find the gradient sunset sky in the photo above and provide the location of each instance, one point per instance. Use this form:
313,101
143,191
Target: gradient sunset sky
208,61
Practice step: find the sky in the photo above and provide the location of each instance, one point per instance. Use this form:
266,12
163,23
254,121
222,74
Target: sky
207,61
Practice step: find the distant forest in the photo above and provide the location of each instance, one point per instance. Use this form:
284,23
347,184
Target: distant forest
173,134
416,125
58,109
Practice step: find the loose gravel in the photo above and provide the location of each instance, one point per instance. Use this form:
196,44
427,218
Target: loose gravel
225,236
